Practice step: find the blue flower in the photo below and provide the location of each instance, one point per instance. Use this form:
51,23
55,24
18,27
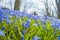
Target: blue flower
11,12
56,25
27,24
35,17
3,28
6,17
59,38
23,32
43,20
1,11
30,16
0,14
22,14
6,11
8,21
46,17
36,38
1,33
22,37
25,14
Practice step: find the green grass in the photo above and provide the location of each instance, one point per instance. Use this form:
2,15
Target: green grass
13,30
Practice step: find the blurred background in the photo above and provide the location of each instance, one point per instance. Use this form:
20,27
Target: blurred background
40,7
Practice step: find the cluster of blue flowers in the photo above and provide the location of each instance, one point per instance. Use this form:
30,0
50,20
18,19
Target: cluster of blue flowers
27,24
6,14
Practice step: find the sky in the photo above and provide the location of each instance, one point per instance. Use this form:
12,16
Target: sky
31,5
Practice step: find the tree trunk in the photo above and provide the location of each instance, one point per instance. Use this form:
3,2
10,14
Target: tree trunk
17,5
46,6
48,14
58,7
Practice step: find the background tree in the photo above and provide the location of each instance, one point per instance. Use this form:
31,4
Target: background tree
58,7
47,8
17,5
